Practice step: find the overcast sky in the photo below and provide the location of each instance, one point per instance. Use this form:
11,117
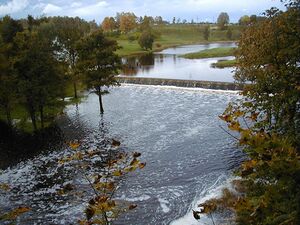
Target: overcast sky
198,10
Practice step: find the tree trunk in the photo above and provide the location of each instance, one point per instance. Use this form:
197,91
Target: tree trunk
42,116
100,100
75,90
8,116
33,119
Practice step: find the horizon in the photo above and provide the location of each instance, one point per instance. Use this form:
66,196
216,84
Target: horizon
196,10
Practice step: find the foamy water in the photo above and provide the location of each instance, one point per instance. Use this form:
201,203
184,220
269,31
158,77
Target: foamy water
189,158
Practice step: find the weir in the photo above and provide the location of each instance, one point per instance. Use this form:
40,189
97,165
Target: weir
217,85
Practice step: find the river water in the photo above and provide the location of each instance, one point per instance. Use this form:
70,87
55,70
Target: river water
169,64
189,158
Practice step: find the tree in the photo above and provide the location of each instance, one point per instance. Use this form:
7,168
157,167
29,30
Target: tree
99,62
206,32
229,33
266,121
268,57
37,73
245,20
159,20
68,31
145,24
108,24
9,29
127,22
174,20
146,40
7,80
223,20
253,19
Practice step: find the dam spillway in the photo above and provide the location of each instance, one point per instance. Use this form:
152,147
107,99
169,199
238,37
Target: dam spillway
217,85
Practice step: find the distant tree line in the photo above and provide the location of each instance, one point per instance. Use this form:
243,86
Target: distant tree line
41,57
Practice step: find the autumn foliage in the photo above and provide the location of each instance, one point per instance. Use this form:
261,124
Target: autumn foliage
265,122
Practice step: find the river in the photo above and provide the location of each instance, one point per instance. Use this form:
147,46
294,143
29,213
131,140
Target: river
169,64
189,157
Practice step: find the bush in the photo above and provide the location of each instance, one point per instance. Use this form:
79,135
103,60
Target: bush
146,40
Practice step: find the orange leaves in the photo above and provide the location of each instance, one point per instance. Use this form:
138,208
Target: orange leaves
234,126
142,165
74,145
15,213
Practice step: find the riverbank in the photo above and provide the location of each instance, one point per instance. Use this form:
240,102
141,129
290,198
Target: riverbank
211,53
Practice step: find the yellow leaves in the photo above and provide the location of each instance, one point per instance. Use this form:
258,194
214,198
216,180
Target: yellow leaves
104,186
117,173
134,162
15,213
4,187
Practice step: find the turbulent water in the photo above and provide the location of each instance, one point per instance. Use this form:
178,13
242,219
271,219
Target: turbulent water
177,131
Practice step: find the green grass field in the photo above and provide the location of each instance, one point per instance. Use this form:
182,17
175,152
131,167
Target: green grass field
176,34
224,63
210,53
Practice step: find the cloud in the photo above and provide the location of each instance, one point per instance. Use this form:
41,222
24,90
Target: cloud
13,6
92,9
76,4
51,9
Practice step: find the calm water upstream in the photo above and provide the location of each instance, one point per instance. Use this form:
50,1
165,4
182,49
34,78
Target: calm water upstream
177,131
169,64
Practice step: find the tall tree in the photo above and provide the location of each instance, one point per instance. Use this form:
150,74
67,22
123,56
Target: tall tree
68,31
37,73
223,20
7,80
206,32
108,24
127,22
99,62
268,57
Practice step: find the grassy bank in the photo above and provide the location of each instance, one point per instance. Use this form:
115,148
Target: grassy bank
174,35
210,53
224,63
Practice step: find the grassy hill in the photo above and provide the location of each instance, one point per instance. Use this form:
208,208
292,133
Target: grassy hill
174,35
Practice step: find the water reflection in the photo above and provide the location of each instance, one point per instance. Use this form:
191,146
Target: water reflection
169,64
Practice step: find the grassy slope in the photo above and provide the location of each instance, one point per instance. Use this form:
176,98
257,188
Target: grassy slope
210,53
174,35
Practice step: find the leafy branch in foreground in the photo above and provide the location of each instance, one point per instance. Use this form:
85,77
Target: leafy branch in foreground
102,208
